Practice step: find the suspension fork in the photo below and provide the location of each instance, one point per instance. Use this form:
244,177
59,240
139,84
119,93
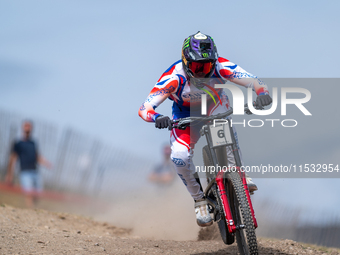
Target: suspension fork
245,185
226,207
223,195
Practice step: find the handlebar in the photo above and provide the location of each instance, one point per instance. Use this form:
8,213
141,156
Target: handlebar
183,123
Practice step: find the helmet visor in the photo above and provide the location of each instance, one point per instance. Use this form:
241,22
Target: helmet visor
200,69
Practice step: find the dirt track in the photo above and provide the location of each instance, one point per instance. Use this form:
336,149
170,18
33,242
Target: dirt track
25,231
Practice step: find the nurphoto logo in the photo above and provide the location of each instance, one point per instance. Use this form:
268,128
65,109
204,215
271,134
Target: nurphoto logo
238,105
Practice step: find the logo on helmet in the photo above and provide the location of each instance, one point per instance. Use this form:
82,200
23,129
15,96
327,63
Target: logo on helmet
186,43
200,36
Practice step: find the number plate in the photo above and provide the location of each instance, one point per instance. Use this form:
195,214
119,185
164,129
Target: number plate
220,134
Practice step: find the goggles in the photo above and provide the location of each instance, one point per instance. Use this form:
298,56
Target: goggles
200,69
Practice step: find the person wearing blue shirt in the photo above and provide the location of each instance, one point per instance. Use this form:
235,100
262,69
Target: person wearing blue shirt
27,152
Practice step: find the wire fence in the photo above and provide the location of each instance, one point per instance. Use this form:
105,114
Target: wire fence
81,164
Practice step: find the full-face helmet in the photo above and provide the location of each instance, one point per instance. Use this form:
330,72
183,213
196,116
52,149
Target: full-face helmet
199,56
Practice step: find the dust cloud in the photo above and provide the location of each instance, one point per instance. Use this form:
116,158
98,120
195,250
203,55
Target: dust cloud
164,213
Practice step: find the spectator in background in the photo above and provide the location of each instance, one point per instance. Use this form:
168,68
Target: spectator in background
164,173
26,151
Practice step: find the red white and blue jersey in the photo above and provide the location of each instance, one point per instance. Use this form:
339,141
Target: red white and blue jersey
174,84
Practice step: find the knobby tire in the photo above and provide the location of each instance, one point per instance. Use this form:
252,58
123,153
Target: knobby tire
238,202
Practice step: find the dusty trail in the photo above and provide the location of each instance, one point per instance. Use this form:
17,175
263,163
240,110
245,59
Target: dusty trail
26,231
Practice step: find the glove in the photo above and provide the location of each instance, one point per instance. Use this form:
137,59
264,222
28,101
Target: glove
263,100
162,122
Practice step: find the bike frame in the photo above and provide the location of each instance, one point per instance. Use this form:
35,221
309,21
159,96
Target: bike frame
221,176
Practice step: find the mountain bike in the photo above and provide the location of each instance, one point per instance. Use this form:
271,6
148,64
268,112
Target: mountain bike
227,192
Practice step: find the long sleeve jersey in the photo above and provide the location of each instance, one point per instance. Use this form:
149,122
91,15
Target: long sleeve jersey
174,84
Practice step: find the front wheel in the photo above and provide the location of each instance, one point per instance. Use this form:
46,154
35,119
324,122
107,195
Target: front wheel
238,202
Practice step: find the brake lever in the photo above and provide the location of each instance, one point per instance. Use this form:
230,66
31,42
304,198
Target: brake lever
183,127
170,127
257,107
180,127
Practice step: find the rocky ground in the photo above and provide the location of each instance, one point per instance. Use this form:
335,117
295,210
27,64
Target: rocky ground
27,231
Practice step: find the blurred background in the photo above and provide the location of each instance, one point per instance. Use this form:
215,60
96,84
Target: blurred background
80,70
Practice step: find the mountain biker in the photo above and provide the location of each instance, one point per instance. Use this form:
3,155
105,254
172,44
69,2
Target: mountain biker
184,82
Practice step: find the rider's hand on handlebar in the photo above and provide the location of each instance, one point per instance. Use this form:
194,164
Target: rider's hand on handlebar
162,122
263,100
